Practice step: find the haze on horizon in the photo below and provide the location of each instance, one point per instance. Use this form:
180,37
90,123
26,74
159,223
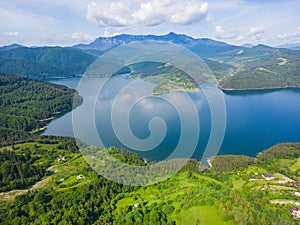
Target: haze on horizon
68,22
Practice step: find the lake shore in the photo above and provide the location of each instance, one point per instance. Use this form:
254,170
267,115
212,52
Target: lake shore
259,89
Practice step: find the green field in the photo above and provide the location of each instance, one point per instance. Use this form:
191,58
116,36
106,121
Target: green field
206,215
295,166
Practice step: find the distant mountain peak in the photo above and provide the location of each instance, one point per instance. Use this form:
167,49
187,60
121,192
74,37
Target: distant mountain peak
261,46
247,45
14,45
9,47
106,43
293,46
172,33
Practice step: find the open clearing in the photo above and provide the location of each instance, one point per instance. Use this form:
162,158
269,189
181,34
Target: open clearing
283,61
206,215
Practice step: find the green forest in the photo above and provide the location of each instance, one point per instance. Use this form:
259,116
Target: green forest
227,193
26,103
44,62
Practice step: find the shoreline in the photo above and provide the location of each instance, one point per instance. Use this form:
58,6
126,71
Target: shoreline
258,89
196,89
38,130
47,119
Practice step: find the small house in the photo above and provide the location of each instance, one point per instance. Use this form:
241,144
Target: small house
297,204
60,159
268,176
295,213
80,177
296,193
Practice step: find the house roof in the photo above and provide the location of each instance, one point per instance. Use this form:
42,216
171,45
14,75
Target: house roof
268,175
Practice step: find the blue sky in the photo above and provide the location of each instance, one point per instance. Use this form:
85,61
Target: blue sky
68,22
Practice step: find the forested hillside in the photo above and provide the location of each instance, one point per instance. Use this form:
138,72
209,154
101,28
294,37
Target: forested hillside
26,103
70,192
21,168
44,62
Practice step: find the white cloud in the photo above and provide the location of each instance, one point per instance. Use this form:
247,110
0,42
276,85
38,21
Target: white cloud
219,30
222,34
15,33
230,37
115,14
190,13
78,36
256,31
240,38
289,36
108,34
151,13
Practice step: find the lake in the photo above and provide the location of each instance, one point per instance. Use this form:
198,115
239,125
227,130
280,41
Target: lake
122,112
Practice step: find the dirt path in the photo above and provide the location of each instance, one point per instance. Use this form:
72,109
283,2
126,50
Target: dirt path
10,195
285,202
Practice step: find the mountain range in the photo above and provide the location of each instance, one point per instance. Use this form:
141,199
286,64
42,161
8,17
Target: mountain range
295,46
204,47
235,67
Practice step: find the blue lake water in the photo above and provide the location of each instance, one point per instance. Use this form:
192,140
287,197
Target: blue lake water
255,120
